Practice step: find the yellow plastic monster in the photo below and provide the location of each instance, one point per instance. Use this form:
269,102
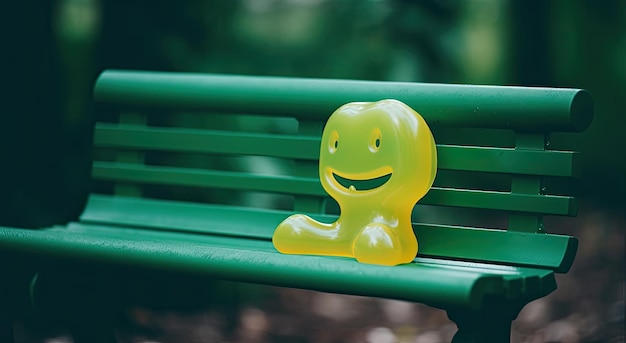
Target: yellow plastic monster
377,159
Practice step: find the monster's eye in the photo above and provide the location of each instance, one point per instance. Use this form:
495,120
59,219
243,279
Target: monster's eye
376,140
333,142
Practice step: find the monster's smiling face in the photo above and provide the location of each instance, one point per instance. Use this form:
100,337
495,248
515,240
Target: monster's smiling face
375,151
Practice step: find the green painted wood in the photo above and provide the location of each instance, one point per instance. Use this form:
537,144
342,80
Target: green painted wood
474,136
206,141
554,252
124,189
110,171
509,161
525,184
257,262
515,202
507,247
524,108
534,279
308,167
180,216
175,176
469,158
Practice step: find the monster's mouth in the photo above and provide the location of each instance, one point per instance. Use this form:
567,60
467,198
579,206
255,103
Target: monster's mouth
364,184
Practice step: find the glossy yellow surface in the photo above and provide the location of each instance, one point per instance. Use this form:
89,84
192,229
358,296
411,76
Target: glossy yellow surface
377,159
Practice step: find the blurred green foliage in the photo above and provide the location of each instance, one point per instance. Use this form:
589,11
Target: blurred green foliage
55,49
558,43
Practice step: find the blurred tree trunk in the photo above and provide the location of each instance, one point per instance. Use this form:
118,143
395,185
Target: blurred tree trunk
35,189
530,58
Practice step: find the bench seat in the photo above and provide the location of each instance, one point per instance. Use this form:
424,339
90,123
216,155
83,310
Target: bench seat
219,242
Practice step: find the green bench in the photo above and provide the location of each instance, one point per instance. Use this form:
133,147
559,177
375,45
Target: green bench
172,203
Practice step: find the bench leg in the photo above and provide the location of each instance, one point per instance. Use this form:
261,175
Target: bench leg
482,326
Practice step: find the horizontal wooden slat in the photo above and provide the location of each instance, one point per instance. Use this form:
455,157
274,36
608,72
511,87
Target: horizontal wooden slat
205,141
205,178
506,247
464,158
523,108
545,204
438,241
509,160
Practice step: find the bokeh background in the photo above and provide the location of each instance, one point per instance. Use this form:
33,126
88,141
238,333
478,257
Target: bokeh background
52,51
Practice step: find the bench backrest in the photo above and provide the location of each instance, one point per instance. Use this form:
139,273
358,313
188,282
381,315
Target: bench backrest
186,137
